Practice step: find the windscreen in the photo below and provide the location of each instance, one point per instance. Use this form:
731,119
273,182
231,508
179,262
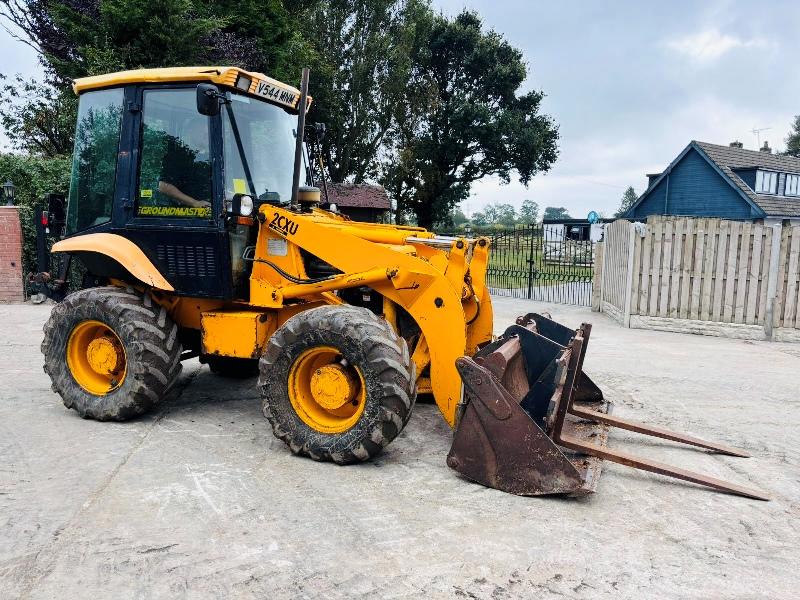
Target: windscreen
259,141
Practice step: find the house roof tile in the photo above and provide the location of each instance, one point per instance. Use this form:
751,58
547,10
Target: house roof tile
358,195
728,158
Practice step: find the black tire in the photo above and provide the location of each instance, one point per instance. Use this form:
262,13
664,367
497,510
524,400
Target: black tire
148,336
234,368
367,343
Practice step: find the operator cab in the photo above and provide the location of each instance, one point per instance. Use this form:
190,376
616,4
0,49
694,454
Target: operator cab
161,157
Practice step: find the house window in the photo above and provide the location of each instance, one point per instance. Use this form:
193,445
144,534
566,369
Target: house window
793,185
766,182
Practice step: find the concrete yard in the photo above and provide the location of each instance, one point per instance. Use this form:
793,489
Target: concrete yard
199,500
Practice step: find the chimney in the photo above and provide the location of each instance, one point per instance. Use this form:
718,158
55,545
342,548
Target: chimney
736,144
766,148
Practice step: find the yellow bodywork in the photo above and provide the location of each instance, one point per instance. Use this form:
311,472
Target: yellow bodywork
236,333
260,85
438,282
122,250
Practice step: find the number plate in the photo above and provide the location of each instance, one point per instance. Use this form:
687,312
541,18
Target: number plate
276,94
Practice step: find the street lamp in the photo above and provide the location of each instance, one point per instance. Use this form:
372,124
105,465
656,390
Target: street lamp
8,192
468,230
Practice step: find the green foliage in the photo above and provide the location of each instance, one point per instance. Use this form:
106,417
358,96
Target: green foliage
462,119
529,213
37,118
793,139
553,212
33,177
458,217
504,215
90,37
629,198
360,73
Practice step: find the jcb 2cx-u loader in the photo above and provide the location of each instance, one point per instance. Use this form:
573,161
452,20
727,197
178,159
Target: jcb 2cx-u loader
186,212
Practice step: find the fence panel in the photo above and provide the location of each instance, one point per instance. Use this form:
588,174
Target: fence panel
703,270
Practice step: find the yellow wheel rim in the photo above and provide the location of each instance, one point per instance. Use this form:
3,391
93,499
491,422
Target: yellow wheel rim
326,394
96,357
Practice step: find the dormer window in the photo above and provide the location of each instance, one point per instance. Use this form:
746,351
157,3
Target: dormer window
766,182
792,185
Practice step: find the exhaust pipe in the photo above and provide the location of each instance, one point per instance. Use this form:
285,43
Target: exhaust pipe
298,148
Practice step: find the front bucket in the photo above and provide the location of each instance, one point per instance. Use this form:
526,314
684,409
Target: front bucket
532,422
500,441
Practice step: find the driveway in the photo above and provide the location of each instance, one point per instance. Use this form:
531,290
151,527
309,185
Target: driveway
199,500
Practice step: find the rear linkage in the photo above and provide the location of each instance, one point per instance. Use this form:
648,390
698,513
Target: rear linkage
533,423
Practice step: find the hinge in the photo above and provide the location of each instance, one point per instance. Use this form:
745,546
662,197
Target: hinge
127,203
134,107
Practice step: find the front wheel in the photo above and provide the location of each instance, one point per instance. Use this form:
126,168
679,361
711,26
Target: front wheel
337,384
111,353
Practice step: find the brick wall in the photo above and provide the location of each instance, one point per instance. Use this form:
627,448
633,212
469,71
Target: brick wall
11,289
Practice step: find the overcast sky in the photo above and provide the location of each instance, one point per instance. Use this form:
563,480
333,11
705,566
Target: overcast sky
630,84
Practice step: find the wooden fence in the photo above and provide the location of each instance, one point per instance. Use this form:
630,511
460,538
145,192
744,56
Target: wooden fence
704,275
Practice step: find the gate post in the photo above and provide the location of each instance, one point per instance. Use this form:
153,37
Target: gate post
530,261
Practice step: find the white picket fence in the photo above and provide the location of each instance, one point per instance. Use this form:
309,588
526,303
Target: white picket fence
709,276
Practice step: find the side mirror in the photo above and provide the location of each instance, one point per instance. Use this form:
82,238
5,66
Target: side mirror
208,96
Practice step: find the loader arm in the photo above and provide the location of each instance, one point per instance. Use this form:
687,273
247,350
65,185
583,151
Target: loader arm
423,291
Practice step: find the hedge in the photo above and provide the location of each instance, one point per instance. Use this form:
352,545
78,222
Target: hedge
33,177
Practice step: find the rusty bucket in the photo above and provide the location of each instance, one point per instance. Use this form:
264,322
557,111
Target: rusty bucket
531,422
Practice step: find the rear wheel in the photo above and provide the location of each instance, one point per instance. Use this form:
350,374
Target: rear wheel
111,353
336,384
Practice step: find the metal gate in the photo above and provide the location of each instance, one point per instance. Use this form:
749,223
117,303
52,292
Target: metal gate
541,263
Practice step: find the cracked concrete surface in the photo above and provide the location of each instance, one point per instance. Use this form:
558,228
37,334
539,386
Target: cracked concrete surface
199,500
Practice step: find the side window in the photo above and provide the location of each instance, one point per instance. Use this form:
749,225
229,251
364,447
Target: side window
175,163
94,162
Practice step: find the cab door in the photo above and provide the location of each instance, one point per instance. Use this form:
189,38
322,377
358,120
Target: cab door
175,191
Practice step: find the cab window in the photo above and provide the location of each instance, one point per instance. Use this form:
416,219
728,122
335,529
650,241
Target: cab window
94,162
175,163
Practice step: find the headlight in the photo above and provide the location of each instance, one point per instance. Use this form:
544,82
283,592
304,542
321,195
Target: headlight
243,83
246,206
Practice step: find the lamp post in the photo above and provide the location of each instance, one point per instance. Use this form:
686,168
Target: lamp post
8,192
468,230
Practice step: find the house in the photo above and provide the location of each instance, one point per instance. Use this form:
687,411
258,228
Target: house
360,201
729,182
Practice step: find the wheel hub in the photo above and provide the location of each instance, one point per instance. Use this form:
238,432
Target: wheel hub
332,386
104,355
327,395
96,357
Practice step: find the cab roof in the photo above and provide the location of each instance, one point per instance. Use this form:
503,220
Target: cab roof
260,85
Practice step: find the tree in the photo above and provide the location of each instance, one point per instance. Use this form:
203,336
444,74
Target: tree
37,118
479,219
793,139
529,213
553,213
89,37
462,119
629,198
458,217
500,214
360,73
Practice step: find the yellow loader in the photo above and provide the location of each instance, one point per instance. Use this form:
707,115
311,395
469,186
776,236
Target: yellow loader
196,239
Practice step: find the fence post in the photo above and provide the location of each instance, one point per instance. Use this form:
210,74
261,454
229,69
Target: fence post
626,314
604,268
530,262
772,281
597,276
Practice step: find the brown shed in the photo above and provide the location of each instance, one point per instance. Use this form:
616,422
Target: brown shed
360,201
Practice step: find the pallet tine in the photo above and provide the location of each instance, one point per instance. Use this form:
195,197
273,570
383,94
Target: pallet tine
624,458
